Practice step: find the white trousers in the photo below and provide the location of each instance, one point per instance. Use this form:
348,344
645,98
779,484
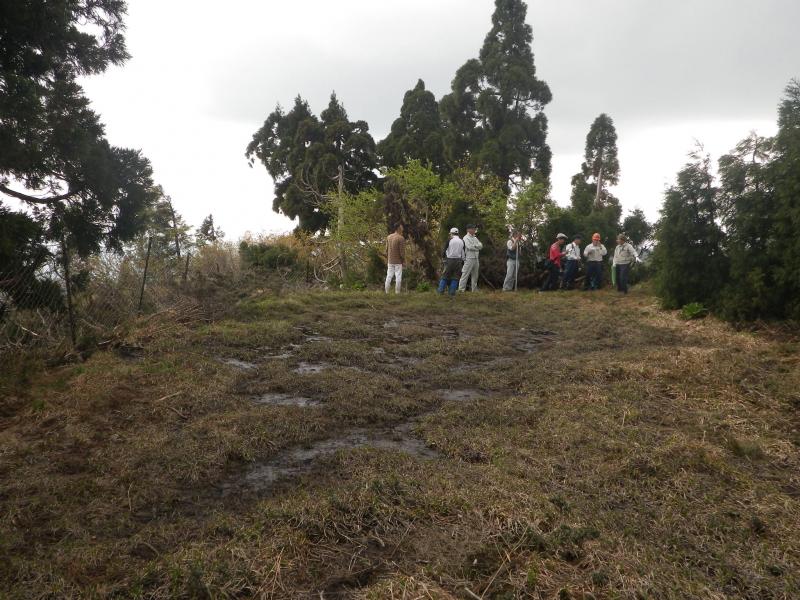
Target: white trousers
396,272
469,271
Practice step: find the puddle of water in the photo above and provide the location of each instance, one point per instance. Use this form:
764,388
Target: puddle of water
238,364
318,338
278,356
285,400
297,461
306,368
462,395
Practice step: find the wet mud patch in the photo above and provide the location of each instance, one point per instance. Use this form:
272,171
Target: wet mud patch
309,368
292,463
274,399
236,363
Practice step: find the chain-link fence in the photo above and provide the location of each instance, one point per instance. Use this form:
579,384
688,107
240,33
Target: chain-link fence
68,302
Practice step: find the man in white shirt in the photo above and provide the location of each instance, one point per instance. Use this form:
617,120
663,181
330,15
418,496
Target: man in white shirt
624,258
472,247
453,259
573,256
594,253
512,262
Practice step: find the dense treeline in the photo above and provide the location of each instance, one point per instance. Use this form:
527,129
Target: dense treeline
478,154
730,241
481,151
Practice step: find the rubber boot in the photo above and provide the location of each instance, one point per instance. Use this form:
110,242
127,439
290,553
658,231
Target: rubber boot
453,286
442,285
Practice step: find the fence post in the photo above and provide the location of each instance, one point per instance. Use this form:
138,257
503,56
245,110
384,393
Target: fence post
70,312
144,275
186,268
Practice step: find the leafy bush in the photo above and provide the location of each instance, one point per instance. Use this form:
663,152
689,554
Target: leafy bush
693,310
267,256
423,286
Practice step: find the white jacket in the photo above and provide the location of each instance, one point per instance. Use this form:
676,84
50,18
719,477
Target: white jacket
455,249
472,246
594,253
624,254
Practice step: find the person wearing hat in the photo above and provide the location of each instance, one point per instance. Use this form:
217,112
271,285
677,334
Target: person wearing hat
594,253
453,259
553,264
472,247
573,259
512,261
624,258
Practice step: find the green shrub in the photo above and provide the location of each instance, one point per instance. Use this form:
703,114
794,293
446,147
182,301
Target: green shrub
693,310
423,286
267,256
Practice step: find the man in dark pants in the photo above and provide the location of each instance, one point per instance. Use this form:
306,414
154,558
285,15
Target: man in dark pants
594,254
453,259
624,257
554,264
573,259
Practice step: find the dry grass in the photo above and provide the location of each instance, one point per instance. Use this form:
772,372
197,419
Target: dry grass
629,455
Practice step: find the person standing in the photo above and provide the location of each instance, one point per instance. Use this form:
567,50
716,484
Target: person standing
624,258
553,264
396,256
472,247
453,260
512,262
594,253
573,257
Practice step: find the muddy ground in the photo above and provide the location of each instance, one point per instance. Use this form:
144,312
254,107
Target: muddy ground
354,445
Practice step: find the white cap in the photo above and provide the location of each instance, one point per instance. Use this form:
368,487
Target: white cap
454,230
561,235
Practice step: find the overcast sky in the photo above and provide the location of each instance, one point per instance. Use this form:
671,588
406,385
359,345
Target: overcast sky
204,75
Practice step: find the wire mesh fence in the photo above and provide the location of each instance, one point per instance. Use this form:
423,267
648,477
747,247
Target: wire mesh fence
67,302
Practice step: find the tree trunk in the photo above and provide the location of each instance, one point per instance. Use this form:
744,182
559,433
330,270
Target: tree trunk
342,260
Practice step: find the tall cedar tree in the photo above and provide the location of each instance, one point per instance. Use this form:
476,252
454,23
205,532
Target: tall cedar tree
594,208
168,228
689,259
52,145
417,134
208,233
493,116
747,209
302,154
786,173
600,156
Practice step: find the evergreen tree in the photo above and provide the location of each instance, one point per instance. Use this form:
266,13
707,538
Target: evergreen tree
494,116
303,154
417,133
22,255
786,174
208,233
53,153
747,209
637,229
168,228
582,196
688,255
600,156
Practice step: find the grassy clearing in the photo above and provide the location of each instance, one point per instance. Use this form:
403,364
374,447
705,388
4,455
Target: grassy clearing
612,451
